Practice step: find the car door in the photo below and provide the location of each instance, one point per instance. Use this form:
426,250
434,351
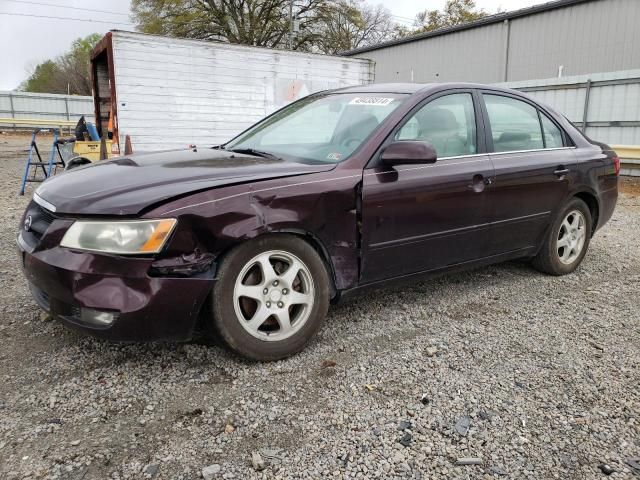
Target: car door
423,217
534,167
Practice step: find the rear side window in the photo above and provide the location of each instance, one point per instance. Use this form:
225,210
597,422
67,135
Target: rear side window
552,134
514,124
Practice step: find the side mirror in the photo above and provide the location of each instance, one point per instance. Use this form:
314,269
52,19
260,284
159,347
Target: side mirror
409,152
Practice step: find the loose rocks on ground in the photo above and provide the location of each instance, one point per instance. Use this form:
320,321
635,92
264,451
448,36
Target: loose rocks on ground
514,357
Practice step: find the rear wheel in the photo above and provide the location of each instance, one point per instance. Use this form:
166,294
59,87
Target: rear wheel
568,240
271,297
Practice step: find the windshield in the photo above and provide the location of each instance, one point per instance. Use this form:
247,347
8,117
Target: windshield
322,128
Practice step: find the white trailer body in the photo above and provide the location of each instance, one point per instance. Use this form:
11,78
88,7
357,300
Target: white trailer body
167,93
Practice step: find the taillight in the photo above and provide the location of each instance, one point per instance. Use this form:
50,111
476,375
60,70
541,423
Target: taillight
616,164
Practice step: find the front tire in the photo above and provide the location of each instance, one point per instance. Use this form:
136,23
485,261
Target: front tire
271,297
76,162
567,241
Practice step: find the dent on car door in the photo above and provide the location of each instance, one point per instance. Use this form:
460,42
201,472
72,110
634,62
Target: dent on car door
534,167
427,216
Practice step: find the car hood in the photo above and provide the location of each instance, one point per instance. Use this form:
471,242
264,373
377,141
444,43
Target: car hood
126,185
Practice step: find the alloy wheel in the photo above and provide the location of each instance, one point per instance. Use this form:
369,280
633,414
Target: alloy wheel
273,295
571,237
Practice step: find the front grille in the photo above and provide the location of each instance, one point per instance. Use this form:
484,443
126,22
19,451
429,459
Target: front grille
47,216
41,219
41,297
53,305
69,312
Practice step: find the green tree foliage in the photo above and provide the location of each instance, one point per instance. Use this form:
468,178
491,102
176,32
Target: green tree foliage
68,72
327,26
42,78
455,12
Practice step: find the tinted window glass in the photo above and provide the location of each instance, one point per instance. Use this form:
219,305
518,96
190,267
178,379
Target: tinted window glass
313,124
552,134
448,122
319,128
514,124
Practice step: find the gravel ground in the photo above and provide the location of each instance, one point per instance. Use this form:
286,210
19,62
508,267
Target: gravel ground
532,376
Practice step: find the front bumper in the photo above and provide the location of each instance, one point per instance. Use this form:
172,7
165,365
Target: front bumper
146,308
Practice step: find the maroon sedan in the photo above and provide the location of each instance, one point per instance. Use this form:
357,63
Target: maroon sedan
340,191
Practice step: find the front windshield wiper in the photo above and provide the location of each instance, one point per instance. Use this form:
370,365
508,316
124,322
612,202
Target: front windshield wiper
257,153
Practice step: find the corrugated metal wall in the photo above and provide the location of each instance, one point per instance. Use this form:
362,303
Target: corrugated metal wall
172,93
596,36
45,105
476,52
592,36
612,110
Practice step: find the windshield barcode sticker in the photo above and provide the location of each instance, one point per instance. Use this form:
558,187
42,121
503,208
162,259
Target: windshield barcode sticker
375,101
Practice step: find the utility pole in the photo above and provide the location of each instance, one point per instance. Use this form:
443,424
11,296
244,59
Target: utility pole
291,25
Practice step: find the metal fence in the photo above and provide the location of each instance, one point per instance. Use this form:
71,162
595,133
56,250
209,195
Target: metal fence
605,106
45,106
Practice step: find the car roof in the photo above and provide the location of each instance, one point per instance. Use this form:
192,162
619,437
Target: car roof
384,88
411,88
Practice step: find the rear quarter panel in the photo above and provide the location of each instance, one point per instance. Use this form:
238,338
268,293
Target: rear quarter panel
596,175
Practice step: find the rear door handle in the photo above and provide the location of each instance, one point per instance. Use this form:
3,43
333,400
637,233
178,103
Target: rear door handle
561,171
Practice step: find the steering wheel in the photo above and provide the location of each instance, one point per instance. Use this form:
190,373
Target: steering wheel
349,140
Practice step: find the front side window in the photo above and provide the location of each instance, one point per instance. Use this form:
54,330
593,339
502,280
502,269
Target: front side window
514,124
322,128
448,123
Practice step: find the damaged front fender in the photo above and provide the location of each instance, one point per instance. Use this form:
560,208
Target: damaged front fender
322,207
185,265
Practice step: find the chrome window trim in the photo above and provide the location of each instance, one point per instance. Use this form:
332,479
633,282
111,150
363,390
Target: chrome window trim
43,203
532,150
471,155
505,153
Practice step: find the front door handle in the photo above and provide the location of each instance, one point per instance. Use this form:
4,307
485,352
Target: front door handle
561,171
478,183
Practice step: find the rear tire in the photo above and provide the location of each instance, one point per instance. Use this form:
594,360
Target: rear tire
567,241
271,297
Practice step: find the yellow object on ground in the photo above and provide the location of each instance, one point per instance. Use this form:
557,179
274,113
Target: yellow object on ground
629,159
627,151
91,150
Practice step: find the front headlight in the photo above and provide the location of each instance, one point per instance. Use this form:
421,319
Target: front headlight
120,237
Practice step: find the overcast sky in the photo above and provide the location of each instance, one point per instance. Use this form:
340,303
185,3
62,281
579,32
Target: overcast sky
27,40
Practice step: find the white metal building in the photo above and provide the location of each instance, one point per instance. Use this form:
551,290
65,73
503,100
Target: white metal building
167,92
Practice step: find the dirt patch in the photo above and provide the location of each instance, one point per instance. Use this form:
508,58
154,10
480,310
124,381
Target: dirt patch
630,186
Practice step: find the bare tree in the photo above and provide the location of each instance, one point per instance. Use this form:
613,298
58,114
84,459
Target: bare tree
455,12
328,26
349,24
264,23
